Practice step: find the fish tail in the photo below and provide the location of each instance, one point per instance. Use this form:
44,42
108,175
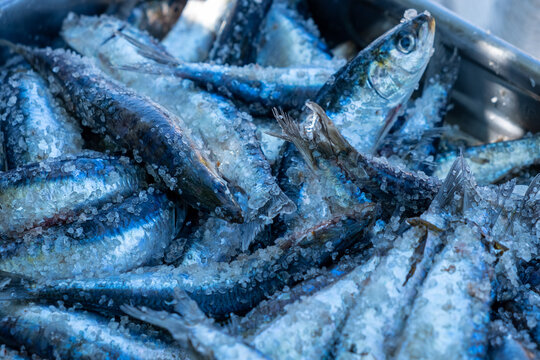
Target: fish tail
14,287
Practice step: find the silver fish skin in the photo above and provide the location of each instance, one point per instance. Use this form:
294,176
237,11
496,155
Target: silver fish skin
136,123
228,134
192,36
287,40
364,97
43,193
262,87
219,288
190,327
35,125
123,237
292,335
450,315
492,162
235,40
380,310
52,333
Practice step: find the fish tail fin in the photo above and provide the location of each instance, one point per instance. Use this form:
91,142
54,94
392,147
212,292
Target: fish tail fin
459,179
154,53
292,132
14,287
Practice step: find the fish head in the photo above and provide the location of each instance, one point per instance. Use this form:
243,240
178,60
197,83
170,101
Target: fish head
400,56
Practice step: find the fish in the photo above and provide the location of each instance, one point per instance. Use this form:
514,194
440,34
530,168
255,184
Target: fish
380,310
220,288
53,332
44,193
364,97
235,40
494,161
192,36
190,327
227,134
117,239
287,40
292,335
259,87
36,126
450,314
149,131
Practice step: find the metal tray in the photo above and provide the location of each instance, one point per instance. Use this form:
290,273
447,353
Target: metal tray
491,68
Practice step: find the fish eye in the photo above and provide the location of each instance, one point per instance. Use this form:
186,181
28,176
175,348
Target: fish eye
406,42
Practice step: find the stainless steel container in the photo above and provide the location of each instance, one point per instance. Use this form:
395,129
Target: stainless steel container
497,94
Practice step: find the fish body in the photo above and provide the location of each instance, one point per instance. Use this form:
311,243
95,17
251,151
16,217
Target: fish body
192,36
364,97
261,87
43,193
219,288
36,126
55,333
492,162
136,123
235,40
125,236
318,316
287,40
450,315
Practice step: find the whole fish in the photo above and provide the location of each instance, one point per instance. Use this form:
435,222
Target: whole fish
380,310
191,328
235,41
450,315
192,36
287,40
123,237
308,327
36,126
494,161
43,193
365,96
261,87
52,333
138,124
219,288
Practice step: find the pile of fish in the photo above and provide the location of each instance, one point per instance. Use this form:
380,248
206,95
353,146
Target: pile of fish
239,190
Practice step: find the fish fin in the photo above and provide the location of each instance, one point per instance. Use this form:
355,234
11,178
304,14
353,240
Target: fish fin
14,286
459,178
388,123
291,131
152,53
531,193
147,68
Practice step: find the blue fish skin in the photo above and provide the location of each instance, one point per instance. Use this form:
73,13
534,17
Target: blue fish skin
66,334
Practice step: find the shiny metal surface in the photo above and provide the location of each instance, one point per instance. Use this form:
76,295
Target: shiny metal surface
497,94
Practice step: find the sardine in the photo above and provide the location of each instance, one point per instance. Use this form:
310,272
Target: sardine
192,36
43,193
220,288
494,161
190,327
52,333
235,41
380,310
35,125
307,329
364,97
449,318
118,239
259,87
136,123
287,40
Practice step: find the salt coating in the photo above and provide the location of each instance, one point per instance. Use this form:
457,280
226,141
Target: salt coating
239,191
